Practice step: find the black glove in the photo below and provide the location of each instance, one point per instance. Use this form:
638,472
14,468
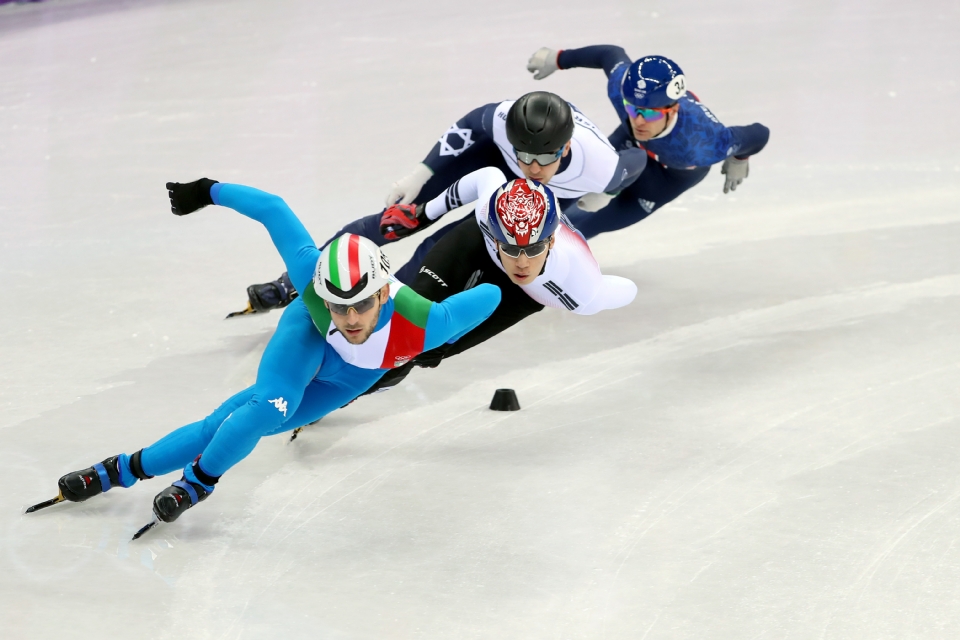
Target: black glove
188,197
431,359
271,295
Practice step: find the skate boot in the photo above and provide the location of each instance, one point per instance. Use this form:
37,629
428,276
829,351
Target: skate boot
193,487
117,471
271,295
261,298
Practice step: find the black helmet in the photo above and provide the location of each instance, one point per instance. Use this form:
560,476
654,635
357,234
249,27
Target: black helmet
539,122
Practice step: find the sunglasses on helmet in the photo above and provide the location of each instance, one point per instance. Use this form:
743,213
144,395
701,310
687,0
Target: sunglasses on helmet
542,159
648,115
361,306
531,250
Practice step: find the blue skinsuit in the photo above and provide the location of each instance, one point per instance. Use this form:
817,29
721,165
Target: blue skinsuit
298,366
683,157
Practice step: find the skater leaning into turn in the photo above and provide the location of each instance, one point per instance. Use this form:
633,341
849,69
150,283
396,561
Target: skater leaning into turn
539,136
521,243
353,323
682,137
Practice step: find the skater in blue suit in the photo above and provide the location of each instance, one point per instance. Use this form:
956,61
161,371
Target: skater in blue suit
680,134
353,323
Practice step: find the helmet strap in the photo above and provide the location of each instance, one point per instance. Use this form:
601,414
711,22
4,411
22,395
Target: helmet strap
544,267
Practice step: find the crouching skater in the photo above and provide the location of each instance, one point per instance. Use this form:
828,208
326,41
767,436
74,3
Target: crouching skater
353,323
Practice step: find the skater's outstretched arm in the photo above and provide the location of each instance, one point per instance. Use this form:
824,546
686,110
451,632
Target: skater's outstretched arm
296,247
293,241
458,314
545,60
479,184
600,56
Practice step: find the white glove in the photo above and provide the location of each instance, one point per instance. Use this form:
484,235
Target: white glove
595,201
736,170
542,63
404,190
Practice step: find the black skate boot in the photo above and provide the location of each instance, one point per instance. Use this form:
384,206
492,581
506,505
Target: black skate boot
103,476
78,486
262,298
116,471
193,487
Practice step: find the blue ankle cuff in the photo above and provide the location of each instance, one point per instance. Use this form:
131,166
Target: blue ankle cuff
127,479
192,477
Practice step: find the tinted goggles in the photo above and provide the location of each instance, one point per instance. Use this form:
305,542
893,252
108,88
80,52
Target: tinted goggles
648,115
361,306
531,250
542,159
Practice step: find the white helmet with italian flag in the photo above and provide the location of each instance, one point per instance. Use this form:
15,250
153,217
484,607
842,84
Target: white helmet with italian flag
350,269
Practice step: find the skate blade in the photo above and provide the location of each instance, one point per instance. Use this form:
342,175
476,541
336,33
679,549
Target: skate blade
146,528
296,432
46,503
246,312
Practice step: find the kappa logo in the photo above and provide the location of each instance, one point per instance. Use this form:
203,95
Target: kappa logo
280,404
647,205
433,275
455,141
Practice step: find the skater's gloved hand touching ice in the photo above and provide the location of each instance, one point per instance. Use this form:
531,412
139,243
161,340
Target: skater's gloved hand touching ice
402,220
736,170
404,190
543,62
188,197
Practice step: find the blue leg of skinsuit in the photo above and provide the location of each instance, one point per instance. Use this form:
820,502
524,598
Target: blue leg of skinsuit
657,184
291,360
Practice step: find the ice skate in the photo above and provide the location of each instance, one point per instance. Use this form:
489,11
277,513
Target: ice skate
170,503
193,487
77,486
262,298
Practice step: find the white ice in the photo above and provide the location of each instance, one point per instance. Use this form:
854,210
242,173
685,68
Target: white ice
762,445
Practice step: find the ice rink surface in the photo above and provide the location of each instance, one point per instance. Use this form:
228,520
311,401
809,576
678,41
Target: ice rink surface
763,445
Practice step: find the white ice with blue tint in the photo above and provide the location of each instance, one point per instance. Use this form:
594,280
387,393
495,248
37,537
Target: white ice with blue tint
763,445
